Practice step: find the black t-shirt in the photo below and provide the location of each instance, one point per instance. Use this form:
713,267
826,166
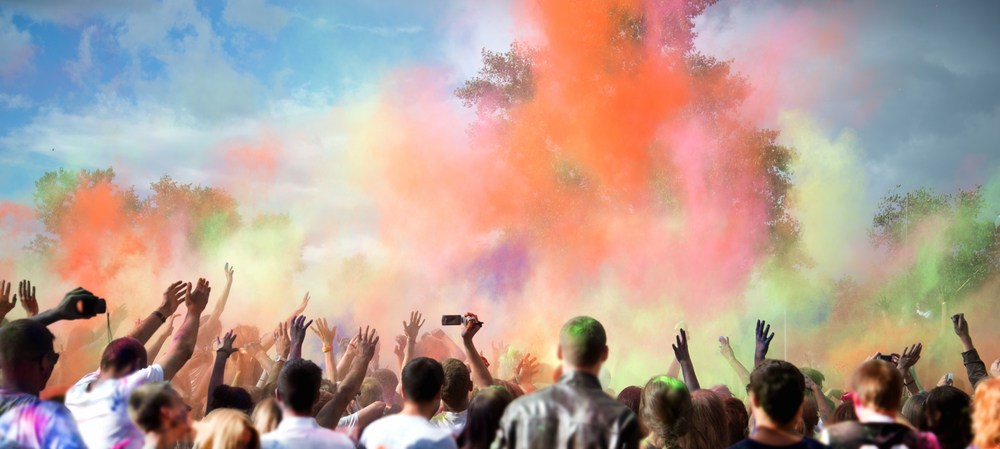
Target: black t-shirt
804,443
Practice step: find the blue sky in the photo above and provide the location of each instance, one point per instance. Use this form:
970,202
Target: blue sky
155,87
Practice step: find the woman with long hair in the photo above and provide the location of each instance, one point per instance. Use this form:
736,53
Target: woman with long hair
227,428
665,409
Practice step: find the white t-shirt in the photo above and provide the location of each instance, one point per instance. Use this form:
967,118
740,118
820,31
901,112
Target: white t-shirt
451,421
102,412
405,432
297,432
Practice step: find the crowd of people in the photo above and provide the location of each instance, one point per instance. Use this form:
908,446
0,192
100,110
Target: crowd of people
248,389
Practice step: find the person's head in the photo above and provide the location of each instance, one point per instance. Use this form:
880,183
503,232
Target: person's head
298,386
227,429
913,410
986,414
708,422
665,408
878,387
483,418
583,345
843,413
810,417
722,391
630,397
123,356
947,413
777,389
389,382
371,391
514,390
26,356
266,415
225,396
156,408
457,385
737,420
422,381
817,377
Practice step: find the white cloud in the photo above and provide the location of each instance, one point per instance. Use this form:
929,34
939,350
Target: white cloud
75,12
16,50
79,68
380,30
256,15
16,101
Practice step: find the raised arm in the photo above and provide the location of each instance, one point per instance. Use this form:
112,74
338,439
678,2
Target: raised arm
6,304
268,339
738,368
481,377
187,335
223,349
28,301
825,413
411,330
350,352
525,372
330,414
763,342
297,333
974,366
906,361
684,358
73,307
327,336
172,298
154,350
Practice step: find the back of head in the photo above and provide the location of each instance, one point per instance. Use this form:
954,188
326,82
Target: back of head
123,356
457,384
422,380
630,397
371,391
24,341
810,416
483,418
298,385
665,408
583,342
225,396
779,388
737,420
878,385
708,419
386,378
913,410
146,402
986,414
947,414
227,429
844,413
266,415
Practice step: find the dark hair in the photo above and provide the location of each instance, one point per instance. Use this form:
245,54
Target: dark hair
665,408
24,341
948,413
810,416
298,385
630,397
145,402
737,420
457,384
583,341
708,421
123,353
844,413
422,380
913,410
483,418
371,391
779,388
225,396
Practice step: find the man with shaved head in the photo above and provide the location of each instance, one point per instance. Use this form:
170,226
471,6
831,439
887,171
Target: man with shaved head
575,412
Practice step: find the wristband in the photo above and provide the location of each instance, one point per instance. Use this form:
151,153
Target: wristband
327,349
160,315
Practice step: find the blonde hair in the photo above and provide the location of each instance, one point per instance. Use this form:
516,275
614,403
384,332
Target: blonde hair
266,416
986,414
224,428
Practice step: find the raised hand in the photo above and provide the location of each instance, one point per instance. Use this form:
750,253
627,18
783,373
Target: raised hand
681,348
28,301
302,305
412,329
224,346
282,344
810,385
327,335
297,332
197,300
399,348
526,370
229,273
6,304
367,342
960,325
174,296
471,327
725,348
763,341
910,357
946,380
72,306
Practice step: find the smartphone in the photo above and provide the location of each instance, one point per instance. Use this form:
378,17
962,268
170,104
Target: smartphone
885,357
452,320
92,305
950,378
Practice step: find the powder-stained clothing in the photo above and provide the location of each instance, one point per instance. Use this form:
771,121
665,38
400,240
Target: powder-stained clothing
27,422
575,412
101,408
